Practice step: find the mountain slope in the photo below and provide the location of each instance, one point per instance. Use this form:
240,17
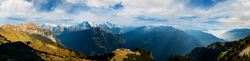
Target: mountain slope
91,41
228,51
27,41
162,41
211,52
123,54
206,38
235,53
236,34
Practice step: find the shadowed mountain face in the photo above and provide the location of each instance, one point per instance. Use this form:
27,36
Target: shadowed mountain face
18,51
205,38
236,34
162,41
211,52
90,41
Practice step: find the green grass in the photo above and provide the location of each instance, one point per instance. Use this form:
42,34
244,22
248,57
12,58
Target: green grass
222,44
24,38
120,55
223,53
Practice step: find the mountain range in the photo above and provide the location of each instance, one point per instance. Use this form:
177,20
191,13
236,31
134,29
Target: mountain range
27,41
235,34
115,28
205,38
161,40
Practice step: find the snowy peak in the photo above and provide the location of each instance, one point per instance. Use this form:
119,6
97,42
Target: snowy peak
84,25
48,24
94,24
116,28
64,25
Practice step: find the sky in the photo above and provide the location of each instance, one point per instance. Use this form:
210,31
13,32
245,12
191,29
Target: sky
212,16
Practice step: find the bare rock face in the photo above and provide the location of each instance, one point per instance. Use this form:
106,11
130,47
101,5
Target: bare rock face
32,28
7,26
244,52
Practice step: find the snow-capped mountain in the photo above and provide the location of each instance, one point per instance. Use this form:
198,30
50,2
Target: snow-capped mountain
115,28
81,26
49,26
60,28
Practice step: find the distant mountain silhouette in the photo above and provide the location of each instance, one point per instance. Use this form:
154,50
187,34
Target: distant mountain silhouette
205,38
236,34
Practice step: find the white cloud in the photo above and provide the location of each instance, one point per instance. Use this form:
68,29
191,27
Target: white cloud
16,5
15,8
231,20
96,3
240,16
76,1
102,3
241,4
136,7
124,14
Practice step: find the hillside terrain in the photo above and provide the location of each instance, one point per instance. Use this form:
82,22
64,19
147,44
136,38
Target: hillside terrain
162,41
228,51
235,53
211,52
122,54
91,41
178,58
27,41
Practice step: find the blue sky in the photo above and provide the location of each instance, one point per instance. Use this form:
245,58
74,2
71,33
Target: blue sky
182,14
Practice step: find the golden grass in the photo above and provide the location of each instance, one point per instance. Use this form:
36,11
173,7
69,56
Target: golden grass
55,53
9,36
120,55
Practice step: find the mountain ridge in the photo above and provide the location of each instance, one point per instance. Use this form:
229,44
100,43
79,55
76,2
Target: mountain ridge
116,29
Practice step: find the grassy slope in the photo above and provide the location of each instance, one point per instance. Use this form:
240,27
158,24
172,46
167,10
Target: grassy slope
46,51
120,55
